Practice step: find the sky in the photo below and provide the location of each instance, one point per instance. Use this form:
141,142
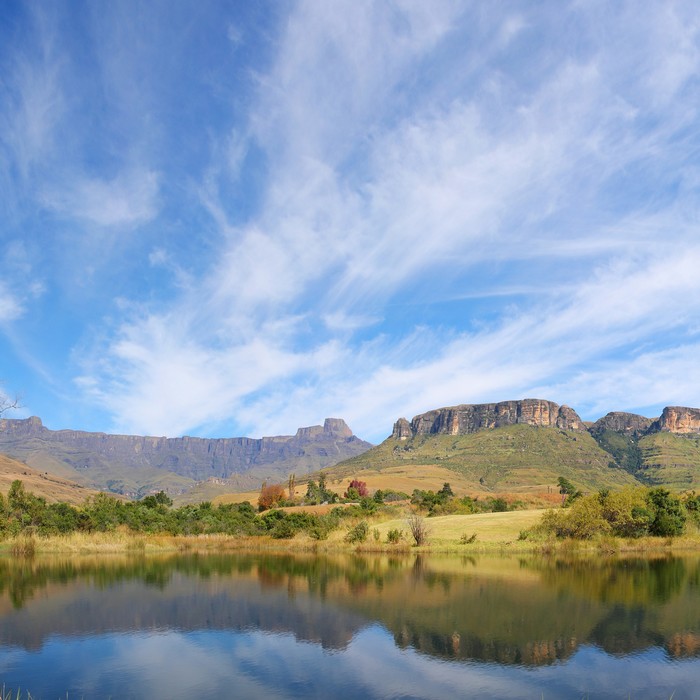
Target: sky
238,218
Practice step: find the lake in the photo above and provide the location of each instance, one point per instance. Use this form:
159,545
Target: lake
413,626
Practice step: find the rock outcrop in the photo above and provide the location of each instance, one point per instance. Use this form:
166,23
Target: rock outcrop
402,430
471,418
621,422
678,419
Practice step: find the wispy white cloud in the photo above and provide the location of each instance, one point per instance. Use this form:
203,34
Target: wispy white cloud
10,307
34,101
129,199
406,152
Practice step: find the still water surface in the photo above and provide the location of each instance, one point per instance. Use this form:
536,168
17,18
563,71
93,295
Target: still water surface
260,626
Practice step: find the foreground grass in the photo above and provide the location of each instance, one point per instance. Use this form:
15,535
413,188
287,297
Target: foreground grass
479,533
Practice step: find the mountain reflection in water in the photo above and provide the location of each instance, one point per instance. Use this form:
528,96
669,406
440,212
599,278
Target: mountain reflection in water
519,612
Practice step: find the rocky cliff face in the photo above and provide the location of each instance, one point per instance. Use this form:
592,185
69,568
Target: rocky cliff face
101,460
620,422
678,419
470,418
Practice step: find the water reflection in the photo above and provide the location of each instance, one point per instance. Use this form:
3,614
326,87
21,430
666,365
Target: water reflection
510,613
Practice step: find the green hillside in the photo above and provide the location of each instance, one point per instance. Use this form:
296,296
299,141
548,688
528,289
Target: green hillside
623,448
670,460
501,459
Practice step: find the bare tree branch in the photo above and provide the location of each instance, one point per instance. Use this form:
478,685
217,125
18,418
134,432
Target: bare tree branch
8,404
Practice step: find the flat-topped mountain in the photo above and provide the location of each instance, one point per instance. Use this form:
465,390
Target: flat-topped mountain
470,418
136,465
530,442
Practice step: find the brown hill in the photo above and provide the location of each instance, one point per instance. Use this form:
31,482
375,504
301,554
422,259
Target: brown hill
52,488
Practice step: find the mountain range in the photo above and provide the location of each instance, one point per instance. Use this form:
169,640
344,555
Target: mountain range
492,447
135,465
528,444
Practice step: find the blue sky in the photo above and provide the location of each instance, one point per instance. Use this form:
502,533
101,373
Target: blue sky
237,218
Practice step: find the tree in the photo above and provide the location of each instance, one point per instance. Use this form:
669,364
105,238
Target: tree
668,513
356,490
270,496
569,493
445,492
8,404
159,499
418,529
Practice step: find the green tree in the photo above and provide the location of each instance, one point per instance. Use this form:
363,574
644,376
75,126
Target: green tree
445,492
668,514
569,493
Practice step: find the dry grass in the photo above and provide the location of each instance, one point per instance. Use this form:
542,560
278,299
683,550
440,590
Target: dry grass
52,488
450,534
488,527
427,477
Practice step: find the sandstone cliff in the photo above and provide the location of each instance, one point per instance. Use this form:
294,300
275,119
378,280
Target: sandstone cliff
678,419
471,418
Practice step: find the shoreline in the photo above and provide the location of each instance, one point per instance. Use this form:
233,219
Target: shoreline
26,546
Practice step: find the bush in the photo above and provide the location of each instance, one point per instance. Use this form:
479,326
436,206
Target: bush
394,536
390,496
322,526
626,513
668,514
583,520
498,505
358,533
283,530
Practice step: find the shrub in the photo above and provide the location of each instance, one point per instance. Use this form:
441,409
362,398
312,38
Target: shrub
394,536
283,530
626,513
389,496
582,521
322,526
498,505
358,533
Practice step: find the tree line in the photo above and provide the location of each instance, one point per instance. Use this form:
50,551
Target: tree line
23,512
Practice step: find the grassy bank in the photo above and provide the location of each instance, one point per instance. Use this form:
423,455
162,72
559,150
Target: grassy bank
479,533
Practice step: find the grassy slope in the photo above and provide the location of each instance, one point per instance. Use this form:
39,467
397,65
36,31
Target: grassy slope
671,460
50,487
506,459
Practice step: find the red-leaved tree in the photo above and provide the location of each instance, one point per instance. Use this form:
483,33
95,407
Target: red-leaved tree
356,489
270,495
